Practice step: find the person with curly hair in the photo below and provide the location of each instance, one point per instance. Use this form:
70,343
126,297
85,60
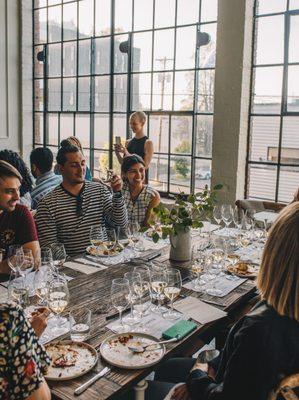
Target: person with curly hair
16,161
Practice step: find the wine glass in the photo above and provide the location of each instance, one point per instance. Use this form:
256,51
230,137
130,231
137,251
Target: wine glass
59,254
41,280
158,284
217,214
226,211
96,235
144,272
15,257
17,289
28,263
136,236
143,292
110,242
132,278
58,298
238,215
172,291
120,294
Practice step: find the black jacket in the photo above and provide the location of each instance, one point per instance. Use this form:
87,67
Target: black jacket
260,350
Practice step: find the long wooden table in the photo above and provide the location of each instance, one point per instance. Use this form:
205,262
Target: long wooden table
93,291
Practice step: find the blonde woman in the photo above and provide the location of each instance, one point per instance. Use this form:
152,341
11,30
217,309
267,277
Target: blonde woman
140,144
263,347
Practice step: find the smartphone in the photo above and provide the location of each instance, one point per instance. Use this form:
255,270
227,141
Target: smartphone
117,140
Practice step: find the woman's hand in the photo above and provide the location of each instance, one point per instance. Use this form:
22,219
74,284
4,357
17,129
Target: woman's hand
181,393
38,320
116,183
119,148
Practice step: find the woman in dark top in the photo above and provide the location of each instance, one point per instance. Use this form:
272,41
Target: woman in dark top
263,347
140,144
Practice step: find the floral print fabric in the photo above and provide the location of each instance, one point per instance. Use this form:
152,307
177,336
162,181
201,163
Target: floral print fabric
22,359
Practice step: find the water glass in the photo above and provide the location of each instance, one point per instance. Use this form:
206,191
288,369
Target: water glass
80,324
18,290
120,294
133,278
58,253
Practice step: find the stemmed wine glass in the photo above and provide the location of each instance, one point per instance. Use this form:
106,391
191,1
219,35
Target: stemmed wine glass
143,303
158,284
58,298
17,289
96,235
133,278
238,215
15,257
136,236
110,242
226,211
217,214
120,294
172,291
58,254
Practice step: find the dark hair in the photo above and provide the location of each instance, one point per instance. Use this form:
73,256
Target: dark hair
72,141
8,171
16,161
63,151
129,161
42,158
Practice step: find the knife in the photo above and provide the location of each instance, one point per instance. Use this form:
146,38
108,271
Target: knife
86,385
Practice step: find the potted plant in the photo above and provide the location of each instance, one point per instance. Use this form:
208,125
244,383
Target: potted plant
188,212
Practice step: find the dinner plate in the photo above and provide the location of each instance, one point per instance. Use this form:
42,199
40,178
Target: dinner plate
84,356
100,253
115,350
251,272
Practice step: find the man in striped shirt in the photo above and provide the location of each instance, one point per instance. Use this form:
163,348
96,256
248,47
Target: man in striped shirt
41,161
66,214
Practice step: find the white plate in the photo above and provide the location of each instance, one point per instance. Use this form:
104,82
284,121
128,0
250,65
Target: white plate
87,358
115,350
99,253
251,272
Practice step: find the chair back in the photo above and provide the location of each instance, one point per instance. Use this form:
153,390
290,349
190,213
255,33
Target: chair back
288,389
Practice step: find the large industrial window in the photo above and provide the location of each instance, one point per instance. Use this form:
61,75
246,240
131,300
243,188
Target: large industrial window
96,61
273,156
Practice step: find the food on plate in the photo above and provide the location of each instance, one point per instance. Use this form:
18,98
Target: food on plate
242,266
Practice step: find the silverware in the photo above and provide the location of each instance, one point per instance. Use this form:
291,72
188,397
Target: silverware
141,349
86,385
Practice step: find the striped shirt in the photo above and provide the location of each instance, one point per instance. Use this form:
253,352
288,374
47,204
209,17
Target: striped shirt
137,208
58,220
43,185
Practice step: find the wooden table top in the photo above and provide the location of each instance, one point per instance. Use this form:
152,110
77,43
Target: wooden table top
93,291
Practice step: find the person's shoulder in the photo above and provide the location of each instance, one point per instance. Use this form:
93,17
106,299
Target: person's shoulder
51,196
153,192
96,187
22,211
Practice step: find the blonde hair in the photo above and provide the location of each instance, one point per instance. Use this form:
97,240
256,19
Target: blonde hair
140,115
278,279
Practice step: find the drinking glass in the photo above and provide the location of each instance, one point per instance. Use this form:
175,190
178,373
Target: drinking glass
144,272
143,303
28,264
158,284
59,254
80,324
17,289
120,294
42,277
15,257
46,257
110,242
217,214
226,211
133,278
172,291
136,236
238,215
58,298
96,235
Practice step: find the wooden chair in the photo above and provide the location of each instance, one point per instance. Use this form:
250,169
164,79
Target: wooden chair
288,389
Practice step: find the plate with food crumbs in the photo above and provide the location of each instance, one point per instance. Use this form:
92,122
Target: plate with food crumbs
70,359
102,251
115,350
244,270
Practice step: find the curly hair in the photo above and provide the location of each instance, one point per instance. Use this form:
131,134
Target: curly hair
16,161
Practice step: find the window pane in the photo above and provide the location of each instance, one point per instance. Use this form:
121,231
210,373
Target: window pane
85,18
202,174
141,91
189,14
293,89
288,183
264,132
52,131
53,2
204,135
262,182
40,26
181,134
143,14
70,21
265,52
101,131
54,59
66,126
84,57
294,5
102,55
120,59
123,15
159,132
184,90
83,94
293,43
102,90
38,65
163,53
207,54
69,58
119,125
38,95
54,21
206,91
185,47
273,6
142,51
209,9
54,94
82,129
120,93
290,141
69,94
38,127
101,163
180,174
267,90
40,3
162,90
158,173
103,17
164,13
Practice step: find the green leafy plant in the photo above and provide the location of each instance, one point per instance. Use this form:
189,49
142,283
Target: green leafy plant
188,212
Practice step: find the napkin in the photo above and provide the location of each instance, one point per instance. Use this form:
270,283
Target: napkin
196,309
221,282
84,268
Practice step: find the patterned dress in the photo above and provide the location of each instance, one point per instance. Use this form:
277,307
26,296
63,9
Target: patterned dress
22,359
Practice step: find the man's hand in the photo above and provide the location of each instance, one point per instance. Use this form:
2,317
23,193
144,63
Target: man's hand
38,320
181,393
116,183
